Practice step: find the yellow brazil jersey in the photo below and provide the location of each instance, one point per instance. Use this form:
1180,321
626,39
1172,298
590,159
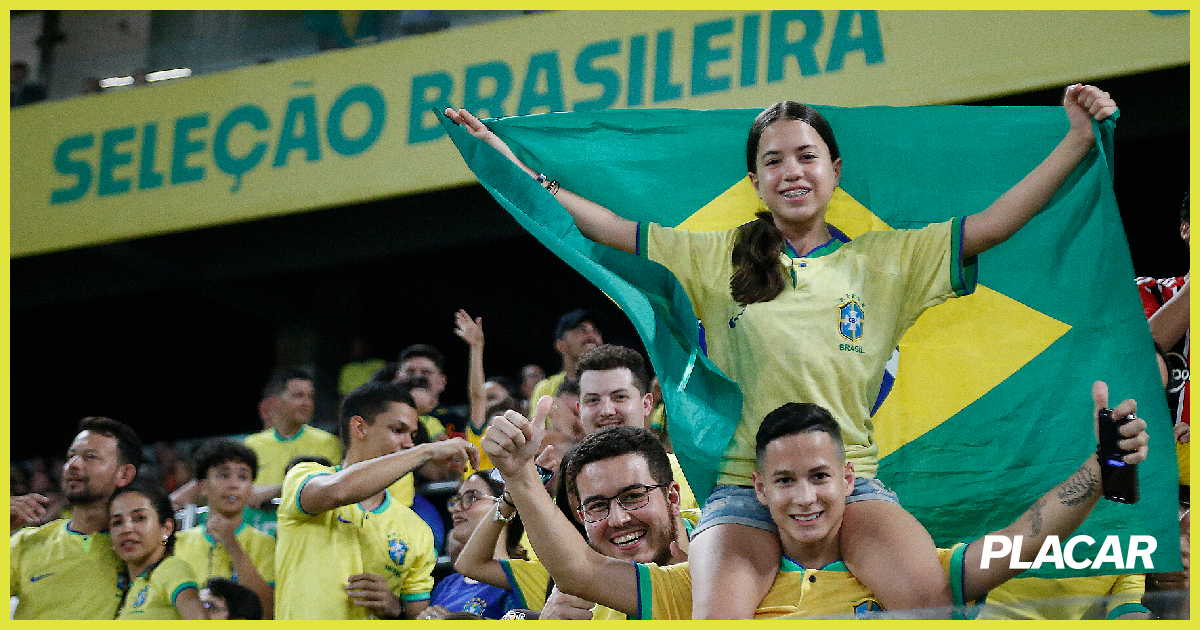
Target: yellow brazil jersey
477,440
546,387
275,451
529,581
432,425
604,613
152,594
687,500
398,544
1094,597
47,565
208,558
404,490
666,592
827,337
316,553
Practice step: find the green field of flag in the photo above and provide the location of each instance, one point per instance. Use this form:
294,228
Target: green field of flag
991,405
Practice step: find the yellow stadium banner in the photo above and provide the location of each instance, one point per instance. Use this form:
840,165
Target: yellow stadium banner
355,125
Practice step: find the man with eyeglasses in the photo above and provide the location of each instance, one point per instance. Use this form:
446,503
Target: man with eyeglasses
620,479
803,478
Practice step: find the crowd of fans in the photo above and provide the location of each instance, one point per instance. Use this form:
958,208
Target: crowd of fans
567,502
296,523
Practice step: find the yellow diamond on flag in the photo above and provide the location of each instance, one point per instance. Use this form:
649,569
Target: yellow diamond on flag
955,352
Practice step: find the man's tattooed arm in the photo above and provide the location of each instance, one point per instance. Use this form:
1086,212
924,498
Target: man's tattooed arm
1079,487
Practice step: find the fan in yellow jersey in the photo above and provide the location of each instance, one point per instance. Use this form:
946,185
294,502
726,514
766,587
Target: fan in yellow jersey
803,478
622,461
288,398
66,569
346,550
577,332
614,390
159,585
225,546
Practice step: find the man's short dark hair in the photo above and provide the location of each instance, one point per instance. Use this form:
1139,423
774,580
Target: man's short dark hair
129,445
241,601
795,417
278,382
572,319
1184,213
424,350
569,386
216,452
612,357
368,401
614,442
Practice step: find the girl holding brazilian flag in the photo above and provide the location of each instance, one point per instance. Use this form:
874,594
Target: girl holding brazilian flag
779,298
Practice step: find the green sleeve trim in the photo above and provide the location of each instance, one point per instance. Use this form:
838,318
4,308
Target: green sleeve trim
415,597
639,246
1124,609
300,491
181,588
645,599
513,586
957,575
963,273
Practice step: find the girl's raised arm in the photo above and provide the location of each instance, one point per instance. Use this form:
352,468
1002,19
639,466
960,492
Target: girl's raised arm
595,221
994,225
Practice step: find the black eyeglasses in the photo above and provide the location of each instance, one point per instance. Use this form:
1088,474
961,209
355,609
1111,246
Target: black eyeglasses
632,499
467,499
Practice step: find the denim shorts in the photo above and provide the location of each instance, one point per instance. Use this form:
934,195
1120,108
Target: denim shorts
739,505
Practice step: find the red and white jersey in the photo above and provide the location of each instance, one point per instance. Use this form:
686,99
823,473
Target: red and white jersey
1154,293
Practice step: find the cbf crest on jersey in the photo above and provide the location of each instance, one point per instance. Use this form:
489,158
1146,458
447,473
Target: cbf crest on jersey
850,319
397,550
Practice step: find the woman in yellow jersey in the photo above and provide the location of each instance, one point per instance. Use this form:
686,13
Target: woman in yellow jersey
777,294
156,585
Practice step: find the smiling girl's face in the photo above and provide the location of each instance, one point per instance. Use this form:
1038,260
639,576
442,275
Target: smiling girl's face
796,175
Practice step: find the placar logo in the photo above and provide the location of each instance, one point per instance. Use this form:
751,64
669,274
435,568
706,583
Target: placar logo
1063,556
850,319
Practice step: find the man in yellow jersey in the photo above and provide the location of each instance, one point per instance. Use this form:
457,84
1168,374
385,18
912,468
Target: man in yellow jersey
628,462
803,478
577,332
288,434
66,569
614,390
346,549
224,545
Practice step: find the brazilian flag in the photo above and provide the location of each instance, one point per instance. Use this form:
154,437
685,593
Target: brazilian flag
991,405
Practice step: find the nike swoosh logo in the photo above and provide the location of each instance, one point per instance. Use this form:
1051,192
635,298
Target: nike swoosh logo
344,520
35,578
